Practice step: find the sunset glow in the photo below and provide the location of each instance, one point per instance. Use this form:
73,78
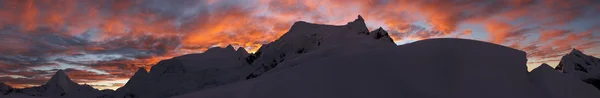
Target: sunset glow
103,42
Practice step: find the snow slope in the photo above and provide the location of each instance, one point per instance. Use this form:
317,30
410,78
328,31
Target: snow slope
559,85
439,68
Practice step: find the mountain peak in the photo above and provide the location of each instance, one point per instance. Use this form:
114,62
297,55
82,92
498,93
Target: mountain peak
229,47
139,76
60,72
545,67
360,18
358,25
61,81
381,34
582,66
141,70
241,49
575,51
58,77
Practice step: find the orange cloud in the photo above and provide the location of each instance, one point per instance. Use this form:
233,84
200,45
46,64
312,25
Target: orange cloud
550,34
145,33
499,32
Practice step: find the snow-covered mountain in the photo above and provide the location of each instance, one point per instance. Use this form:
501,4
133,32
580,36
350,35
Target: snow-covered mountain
179,75
138,84
304,38
60,85
5,89
581,66
432,68
220,66
340,61
559,85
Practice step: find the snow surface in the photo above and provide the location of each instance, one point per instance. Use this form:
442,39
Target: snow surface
559,85
443,68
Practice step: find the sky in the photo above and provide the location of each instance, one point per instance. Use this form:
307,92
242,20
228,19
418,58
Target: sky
103,42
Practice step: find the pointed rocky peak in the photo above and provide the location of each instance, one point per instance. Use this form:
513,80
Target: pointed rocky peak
60,73
381,34
243,53
360,18
577,53
141,71
241,49
543,67
229,47
59,77
61,81
139,76
358,25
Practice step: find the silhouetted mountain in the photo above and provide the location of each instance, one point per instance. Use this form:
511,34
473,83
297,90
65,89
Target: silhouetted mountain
138,84
381,35
581,66
5,89
345,64
60,85
179,75
305,37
